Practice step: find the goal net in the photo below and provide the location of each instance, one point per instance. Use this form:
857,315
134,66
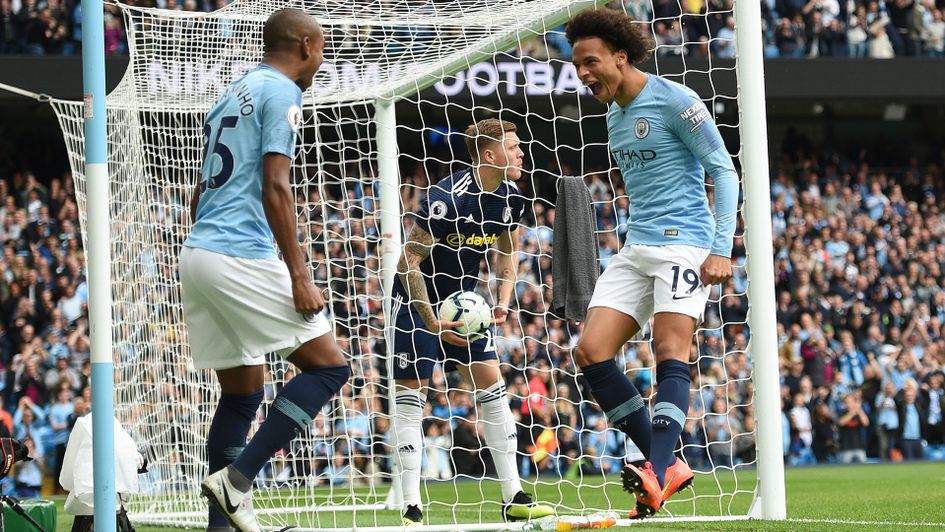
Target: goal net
443,64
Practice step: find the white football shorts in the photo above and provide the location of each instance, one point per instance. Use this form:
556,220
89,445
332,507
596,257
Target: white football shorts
237,310
644,280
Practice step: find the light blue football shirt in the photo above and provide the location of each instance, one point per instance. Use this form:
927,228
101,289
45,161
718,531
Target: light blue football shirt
664,142
257,114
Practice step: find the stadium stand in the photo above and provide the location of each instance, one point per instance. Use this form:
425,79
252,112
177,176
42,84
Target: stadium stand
792,28
859,251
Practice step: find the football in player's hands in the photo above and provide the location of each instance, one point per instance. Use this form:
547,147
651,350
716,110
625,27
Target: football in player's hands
470,310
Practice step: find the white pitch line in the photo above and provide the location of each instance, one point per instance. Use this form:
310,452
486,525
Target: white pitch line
704,519
867,523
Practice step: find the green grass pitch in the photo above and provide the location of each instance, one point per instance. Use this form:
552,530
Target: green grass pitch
870,497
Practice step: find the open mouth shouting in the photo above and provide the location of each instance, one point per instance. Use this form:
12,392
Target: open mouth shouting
595,87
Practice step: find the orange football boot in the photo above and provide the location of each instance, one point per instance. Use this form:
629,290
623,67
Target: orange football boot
677,478
644,485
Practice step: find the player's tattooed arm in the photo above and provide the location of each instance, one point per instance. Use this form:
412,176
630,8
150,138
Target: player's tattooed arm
417,248
505,265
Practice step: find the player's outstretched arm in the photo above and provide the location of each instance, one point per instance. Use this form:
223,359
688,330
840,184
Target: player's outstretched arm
505,265
417,248
279,205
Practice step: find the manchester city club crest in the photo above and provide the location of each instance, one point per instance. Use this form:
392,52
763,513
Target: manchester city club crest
642,128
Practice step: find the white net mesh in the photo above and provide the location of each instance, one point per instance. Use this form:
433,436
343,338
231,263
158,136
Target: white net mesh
337,474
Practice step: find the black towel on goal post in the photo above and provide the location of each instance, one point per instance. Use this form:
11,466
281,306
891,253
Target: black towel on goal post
574,260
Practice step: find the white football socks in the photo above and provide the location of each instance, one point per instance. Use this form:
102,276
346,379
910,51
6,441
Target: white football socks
408,442
501,437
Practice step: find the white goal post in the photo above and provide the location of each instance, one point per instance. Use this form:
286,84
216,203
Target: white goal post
360,166
757,216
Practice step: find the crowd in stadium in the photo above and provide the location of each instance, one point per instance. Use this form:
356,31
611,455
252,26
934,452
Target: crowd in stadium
800,28
793,28
861,322
44,342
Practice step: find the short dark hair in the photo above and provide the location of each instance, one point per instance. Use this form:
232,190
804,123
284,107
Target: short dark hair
615,28
485,132
285,27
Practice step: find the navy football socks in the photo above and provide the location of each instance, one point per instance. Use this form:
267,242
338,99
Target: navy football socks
227,437
620,401
669,415
291,412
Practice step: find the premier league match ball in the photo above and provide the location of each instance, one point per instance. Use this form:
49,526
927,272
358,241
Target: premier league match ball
469,308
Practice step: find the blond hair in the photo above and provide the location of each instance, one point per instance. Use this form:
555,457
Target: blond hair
485,133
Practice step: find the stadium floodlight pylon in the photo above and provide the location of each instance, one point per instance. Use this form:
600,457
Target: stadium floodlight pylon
347,178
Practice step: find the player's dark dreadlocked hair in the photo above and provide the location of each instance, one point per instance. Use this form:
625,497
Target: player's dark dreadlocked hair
615,28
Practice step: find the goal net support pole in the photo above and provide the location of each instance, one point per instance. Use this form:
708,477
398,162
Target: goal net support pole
99,264
760,267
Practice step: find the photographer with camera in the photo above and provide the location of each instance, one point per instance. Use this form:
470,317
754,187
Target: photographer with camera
14,451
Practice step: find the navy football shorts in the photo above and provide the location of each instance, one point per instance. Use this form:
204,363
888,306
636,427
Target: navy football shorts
417,350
